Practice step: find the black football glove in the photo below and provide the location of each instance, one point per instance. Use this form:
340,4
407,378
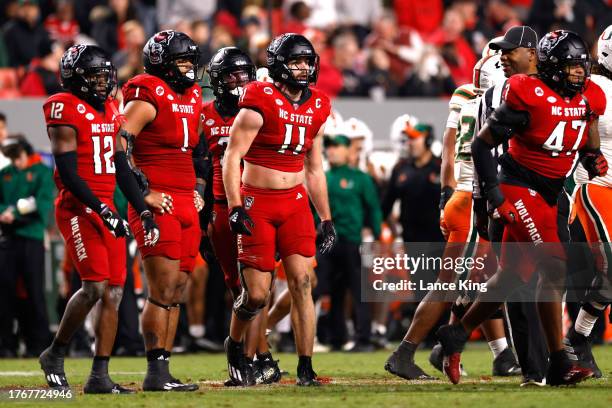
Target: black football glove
240,222
594,162
151,230
113,221
326,236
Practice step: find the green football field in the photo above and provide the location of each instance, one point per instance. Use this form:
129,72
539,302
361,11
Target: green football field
355,380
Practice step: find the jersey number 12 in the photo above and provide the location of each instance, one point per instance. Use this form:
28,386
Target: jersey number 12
108,167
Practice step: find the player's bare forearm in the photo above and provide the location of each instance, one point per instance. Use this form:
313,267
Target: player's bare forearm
242,133
316,184
484,162
447,170
231,178
593,141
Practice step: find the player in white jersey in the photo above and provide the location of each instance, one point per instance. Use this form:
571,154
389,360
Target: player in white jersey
592,199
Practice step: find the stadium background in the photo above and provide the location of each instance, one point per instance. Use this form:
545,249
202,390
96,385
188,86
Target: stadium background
379,59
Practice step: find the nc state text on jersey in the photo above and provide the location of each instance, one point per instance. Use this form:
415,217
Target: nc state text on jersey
220,130
561,111
182,108
103,128
295,118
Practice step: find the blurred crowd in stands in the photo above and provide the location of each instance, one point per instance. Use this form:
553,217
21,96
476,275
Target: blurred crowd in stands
368,48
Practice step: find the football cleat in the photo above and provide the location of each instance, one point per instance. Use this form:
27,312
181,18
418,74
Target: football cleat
562,371
53,367
104,385
403,365
453,339
239,369
578,348
267,371
307,378
505,364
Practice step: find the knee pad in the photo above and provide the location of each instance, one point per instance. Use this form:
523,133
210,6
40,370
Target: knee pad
461,306
600,290
594,311
242,309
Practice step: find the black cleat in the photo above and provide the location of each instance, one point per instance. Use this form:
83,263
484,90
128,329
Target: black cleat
166,384
307,378
578,348
104,385
453,339
53,367
402,365
238,368
158,378
505,364
267,371
562,371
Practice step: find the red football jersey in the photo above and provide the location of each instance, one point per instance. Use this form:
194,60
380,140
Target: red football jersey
95,139
216,128
163,148
288,129
557,128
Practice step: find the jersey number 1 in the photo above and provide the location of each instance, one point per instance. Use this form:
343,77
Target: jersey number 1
289,137
108,153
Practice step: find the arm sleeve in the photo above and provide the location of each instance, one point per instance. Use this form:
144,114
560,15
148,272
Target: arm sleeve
199,155
127,182
66,164
372,204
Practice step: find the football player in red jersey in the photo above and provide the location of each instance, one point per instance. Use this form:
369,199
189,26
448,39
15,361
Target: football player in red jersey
162,118
277,134
544,119
81,124
230,69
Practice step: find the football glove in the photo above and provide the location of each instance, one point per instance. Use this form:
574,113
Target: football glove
594,162
500,208
113,221
240,222
151,230
326,236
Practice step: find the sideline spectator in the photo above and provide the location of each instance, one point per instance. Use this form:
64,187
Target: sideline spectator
24,34
42,78
61,25
404,46
26,202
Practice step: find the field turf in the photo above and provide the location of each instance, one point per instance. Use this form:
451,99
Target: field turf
355,380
